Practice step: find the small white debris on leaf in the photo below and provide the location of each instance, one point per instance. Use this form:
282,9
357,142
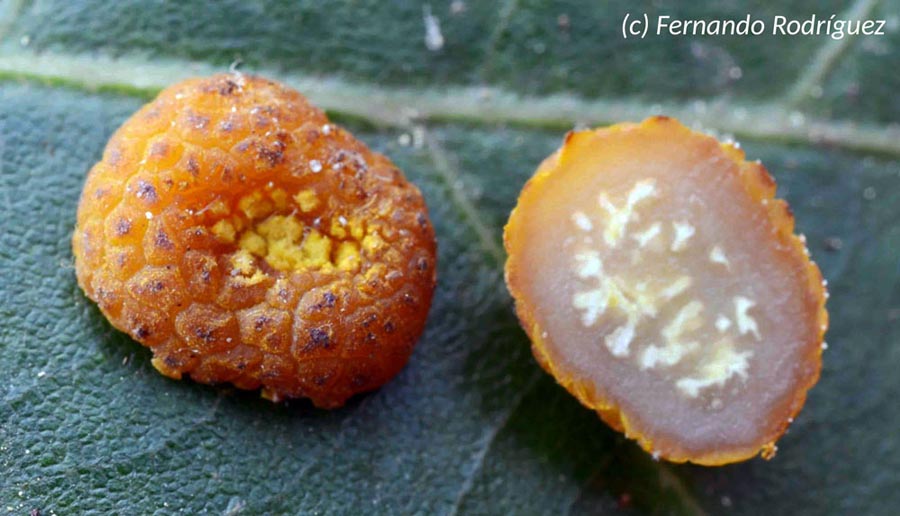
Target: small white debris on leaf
434,39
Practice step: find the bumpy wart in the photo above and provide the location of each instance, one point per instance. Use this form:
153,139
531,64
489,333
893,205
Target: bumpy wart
240,235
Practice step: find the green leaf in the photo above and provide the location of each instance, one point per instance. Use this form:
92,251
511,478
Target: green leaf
472,425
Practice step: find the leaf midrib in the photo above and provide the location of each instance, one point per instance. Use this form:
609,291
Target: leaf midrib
775,120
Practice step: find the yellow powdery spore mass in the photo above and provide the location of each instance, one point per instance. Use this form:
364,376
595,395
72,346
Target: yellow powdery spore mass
347,257
306,200
224,231
290,247
239,243
287,245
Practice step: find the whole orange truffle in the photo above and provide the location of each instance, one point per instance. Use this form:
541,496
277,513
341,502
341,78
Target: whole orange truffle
243,238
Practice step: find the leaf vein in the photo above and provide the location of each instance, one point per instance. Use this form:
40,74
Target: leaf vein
336,443
9,15
828,55
386,106
450,176
490,437
503,19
